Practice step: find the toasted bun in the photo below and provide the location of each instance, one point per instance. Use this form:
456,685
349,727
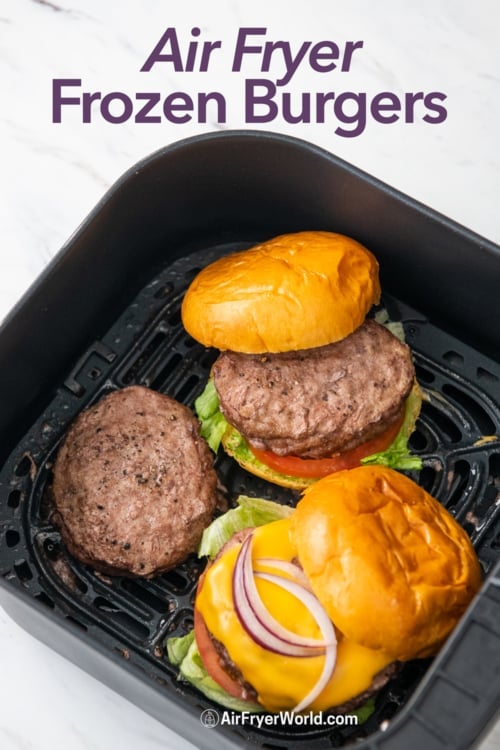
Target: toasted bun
391,566
296,291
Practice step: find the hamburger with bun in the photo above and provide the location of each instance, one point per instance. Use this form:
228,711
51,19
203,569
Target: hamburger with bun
317,609
304,384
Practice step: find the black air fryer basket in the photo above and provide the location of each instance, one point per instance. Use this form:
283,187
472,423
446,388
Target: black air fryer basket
106,314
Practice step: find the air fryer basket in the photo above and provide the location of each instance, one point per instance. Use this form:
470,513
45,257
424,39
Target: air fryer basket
107,314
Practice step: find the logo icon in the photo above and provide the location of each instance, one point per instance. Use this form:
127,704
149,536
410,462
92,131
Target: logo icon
209,718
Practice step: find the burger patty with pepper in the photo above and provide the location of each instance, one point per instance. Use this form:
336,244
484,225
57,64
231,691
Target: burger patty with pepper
134,484
305,385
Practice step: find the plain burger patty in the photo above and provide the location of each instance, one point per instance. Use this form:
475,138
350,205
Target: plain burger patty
317,402
134,485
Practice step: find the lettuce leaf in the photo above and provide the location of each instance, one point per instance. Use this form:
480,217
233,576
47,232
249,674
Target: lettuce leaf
250,512
365,711
183,653
397,455
394,326
213,423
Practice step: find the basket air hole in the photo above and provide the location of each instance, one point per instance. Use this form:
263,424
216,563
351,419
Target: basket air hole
12,538
494,463
484,504
471,406
169,367
190,384
121,617
145,355
458,485
14,499
453,358
94,373
448,429
175,580
418,441
175,318
172,363
105,606
52,549
424,375
23,570
145,596
492,493
187,622
483,374
68,576
42,597
469,527
23,467
182,624
208,359
428,478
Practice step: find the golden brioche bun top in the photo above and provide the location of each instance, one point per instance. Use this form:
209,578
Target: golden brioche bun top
391,566
296,291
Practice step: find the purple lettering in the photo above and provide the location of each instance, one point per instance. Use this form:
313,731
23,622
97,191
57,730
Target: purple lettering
358,116
241,47
327,51
116,96
441,112
173,54
178,102
87,100
143,115
58,101
385,102
264,100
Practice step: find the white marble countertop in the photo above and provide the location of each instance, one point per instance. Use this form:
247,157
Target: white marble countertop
53,174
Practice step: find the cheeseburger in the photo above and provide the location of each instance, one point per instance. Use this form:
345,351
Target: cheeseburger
317,609
304,385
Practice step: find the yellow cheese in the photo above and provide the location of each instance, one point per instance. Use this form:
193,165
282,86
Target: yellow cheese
281,681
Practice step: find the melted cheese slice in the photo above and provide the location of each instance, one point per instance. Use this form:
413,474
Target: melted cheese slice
281,681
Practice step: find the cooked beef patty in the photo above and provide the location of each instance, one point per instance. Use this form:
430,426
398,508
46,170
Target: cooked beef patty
134,485
316,402
250,694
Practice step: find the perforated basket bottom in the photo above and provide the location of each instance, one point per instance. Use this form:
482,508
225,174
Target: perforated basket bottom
457,437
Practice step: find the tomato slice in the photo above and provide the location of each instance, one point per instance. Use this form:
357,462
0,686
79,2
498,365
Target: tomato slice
321,467
210,658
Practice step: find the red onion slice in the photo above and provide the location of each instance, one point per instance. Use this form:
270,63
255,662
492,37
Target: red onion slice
293,570
324,624
263,628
